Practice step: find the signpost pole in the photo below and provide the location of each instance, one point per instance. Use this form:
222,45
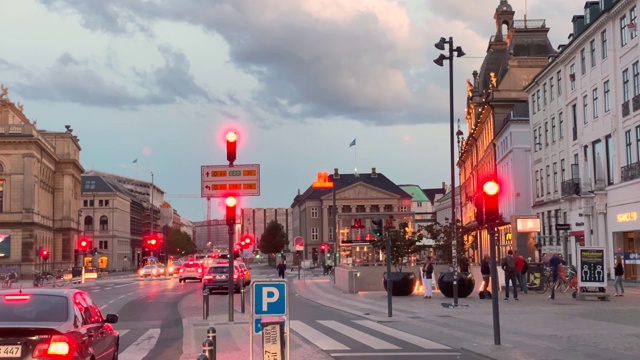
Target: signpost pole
495,292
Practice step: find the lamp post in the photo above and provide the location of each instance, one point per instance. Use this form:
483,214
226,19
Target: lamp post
440,62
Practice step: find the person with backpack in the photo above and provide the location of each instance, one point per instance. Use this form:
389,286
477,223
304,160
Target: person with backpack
555,262
510,274
521,271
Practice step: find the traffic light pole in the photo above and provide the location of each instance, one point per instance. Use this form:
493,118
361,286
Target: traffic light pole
231,261
494,284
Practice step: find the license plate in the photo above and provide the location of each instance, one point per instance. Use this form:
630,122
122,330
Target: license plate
190,270
10,351
221,276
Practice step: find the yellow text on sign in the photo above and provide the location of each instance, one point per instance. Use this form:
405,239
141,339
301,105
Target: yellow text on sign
220,173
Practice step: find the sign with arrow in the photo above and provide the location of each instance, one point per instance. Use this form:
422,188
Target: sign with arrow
225,180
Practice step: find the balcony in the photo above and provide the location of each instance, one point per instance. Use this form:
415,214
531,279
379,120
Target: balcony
625,109
636,103
570,187
631,172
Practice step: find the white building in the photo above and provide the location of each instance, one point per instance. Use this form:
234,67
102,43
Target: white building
585,126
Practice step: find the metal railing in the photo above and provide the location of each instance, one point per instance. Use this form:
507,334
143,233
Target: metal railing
630,172
570,187
529,24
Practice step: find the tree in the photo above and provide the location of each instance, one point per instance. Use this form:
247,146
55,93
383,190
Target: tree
443,237
403,244
180,243
274,239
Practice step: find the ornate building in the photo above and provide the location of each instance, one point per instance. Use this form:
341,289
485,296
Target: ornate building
39,191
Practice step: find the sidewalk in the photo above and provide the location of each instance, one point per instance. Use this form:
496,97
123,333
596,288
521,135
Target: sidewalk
533,328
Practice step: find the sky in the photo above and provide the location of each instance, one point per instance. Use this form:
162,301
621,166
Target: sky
161,81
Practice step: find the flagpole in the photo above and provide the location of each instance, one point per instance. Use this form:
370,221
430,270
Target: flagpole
355,157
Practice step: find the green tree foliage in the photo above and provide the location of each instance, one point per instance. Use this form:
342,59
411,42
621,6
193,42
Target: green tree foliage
443,237
179,241
274,239
403,244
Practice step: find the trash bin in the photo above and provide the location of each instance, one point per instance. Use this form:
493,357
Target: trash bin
534,276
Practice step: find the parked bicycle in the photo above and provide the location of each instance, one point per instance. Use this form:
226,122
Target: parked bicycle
43,278
8,279
62,278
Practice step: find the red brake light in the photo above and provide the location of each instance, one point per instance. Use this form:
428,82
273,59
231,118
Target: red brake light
16,297
199,269
57,345
181,270
190,262
208,277
235,276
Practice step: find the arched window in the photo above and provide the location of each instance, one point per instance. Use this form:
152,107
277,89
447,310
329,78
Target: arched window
88,223
104,222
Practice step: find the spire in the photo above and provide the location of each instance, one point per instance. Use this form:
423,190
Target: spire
503,16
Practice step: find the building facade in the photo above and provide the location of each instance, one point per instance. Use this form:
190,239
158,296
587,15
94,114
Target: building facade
39,192
587,120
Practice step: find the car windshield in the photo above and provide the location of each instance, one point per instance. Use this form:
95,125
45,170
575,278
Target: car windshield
219,270
36,308
242,266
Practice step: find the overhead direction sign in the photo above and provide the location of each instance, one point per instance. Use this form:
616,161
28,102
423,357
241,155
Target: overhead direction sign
225,180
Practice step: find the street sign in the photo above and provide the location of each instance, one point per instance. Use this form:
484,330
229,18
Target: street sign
269,298
299,243
225,180
563,227
591,267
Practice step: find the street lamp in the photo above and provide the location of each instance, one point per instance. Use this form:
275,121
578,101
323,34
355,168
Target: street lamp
440,62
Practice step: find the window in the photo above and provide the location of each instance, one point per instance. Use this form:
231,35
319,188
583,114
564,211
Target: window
623,31
559,77
388,208
553,129
1,194
583,62
537,185
104,223
633,31
535,140
533,101
106,203
607,93
548,181
562,170
103,245
419,204
561,124
585,108
572,76
625,85
314,212
314,234
636,79
603,41
360,209
374,208
404,208
100,203
627,146
609,144
574,117
555,177
544,94
85,203
546,133
594,97
551,96
90,184
331,233
592,52
88,223
637,143
346,209
541,184
538,98
91,203
330,211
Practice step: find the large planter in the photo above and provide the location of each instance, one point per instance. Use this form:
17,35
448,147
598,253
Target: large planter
466,284
404,283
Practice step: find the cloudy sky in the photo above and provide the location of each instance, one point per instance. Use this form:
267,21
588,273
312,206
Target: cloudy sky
161,80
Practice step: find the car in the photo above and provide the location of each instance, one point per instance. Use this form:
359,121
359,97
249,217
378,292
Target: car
148,270
190,270
174,268
217,278
160,270
245,271
55,323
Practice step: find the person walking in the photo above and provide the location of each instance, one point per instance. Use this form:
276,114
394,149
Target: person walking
282,268
520,264
554,262
509,267
427,278
619,272
485,270
464,265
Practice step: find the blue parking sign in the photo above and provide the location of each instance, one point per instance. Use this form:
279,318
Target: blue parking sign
269,298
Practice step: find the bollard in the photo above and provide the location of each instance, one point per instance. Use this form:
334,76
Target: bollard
211,334
202,357
242,300
205,304
207,348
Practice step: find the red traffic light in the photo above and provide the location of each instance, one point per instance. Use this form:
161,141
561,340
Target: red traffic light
491,188
44,254
230,203
323,247
232,138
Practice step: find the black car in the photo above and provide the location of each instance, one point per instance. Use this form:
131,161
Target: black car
60,324
217,278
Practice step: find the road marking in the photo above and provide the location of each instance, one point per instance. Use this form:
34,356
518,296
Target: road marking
396,354
142,346
110,301
120,297
412,339
103,306
122,332
316,337
358,335
123,285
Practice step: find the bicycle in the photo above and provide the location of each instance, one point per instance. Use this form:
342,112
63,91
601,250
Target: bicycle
332,272
62,278
42,279
8,279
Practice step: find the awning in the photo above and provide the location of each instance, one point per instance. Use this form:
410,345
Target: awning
576,233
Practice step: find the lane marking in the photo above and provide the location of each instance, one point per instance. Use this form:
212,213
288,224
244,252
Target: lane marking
412,339
122,332
141,347
396,354
357,335
120,297
316,337
102,307
118,286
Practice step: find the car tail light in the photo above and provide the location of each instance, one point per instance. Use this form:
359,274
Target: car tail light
16,297
199,269
181,270
170,268
208,277
235,276
57,345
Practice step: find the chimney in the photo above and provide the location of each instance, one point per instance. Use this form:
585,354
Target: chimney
336,174
373,172
444,185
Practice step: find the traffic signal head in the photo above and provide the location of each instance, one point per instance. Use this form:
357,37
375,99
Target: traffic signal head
232,138
376,227
44,254
491,190
323,247
230,203
83,244
245,242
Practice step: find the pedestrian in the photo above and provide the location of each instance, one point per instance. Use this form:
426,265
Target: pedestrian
427,278
520,263
545,259
485,270
555,261
282,267
510,274
619,272
464,265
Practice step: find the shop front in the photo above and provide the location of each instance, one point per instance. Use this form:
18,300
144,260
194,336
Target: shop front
625,228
